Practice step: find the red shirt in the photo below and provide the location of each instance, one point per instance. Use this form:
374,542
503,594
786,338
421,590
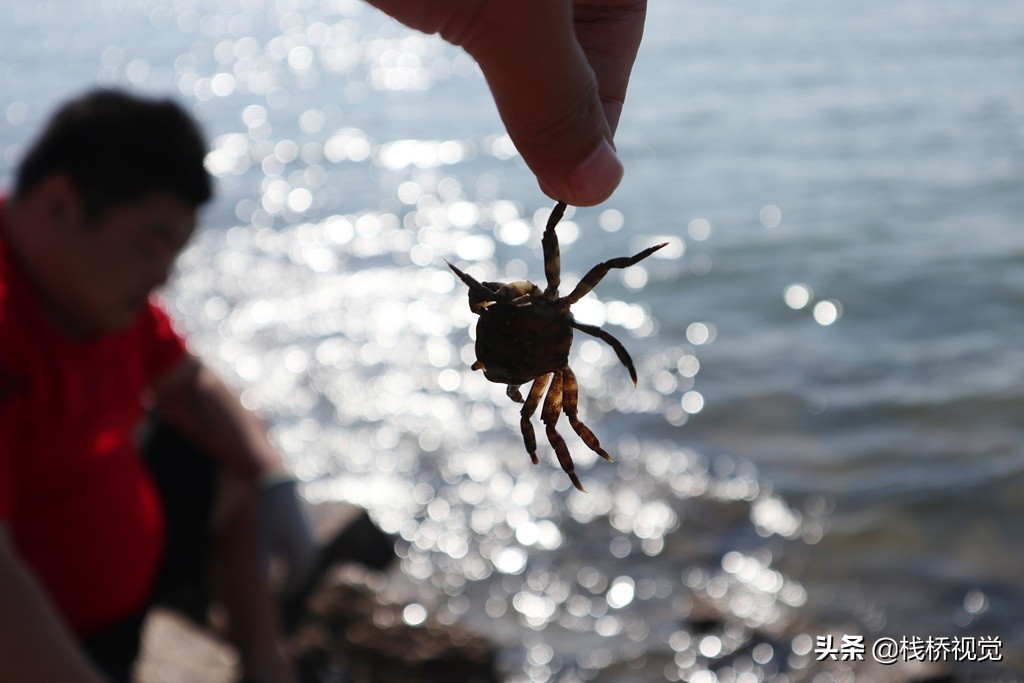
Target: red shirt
81,508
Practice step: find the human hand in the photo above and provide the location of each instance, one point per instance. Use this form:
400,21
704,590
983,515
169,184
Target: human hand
283,530
558,70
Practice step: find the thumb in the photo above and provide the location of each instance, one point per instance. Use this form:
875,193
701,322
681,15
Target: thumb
548,98
540,78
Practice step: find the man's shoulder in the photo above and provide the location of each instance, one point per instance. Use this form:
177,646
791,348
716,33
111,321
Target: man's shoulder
9,327
6,280
12,374
15,335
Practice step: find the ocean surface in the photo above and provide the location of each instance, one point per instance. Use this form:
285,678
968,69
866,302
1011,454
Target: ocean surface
826,436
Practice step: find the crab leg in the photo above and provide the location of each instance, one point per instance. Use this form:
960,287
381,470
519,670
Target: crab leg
616,345
570,403
549,415
597,273
529,408
552,260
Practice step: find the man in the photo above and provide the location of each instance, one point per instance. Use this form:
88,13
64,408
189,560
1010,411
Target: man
104,201
82,245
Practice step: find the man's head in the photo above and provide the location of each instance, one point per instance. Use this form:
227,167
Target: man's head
115,148
103,202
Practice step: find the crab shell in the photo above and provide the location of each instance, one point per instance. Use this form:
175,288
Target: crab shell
518,342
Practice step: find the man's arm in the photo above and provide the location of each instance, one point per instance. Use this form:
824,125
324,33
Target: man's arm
193,399
34,644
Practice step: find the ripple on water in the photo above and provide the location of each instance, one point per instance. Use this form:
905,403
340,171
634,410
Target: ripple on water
360,357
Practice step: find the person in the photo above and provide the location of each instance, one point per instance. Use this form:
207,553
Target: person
83,243
558,72
90,536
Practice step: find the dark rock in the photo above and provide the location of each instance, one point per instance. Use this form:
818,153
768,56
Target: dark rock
346,628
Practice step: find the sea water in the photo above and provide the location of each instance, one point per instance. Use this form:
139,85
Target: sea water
826,432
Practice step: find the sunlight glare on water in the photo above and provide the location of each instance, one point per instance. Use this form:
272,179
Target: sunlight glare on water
388,417
794,319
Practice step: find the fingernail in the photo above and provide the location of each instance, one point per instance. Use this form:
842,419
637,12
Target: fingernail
596,177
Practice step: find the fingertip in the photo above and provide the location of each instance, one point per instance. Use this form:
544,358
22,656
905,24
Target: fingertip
591,182
595,178
546,189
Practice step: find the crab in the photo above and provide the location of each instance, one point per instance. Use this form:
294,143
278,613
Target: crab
524,335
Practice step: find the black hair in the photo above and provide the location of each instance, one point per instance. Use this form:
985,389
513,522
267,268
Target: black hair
118,147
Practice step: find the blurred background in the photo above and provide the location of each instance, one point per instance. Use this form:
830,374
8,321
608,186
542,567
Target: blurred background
826,435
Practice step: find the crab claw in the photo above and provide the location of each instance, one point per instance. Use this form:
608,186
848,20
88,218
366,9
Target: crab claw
486,293
480,295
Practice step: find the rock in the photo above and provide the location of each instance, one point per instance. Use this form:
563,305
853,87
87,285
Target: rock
341,630
346,626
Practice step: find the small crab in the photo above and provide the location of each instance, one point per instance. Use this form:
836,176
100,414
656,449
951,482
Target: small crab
524,334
